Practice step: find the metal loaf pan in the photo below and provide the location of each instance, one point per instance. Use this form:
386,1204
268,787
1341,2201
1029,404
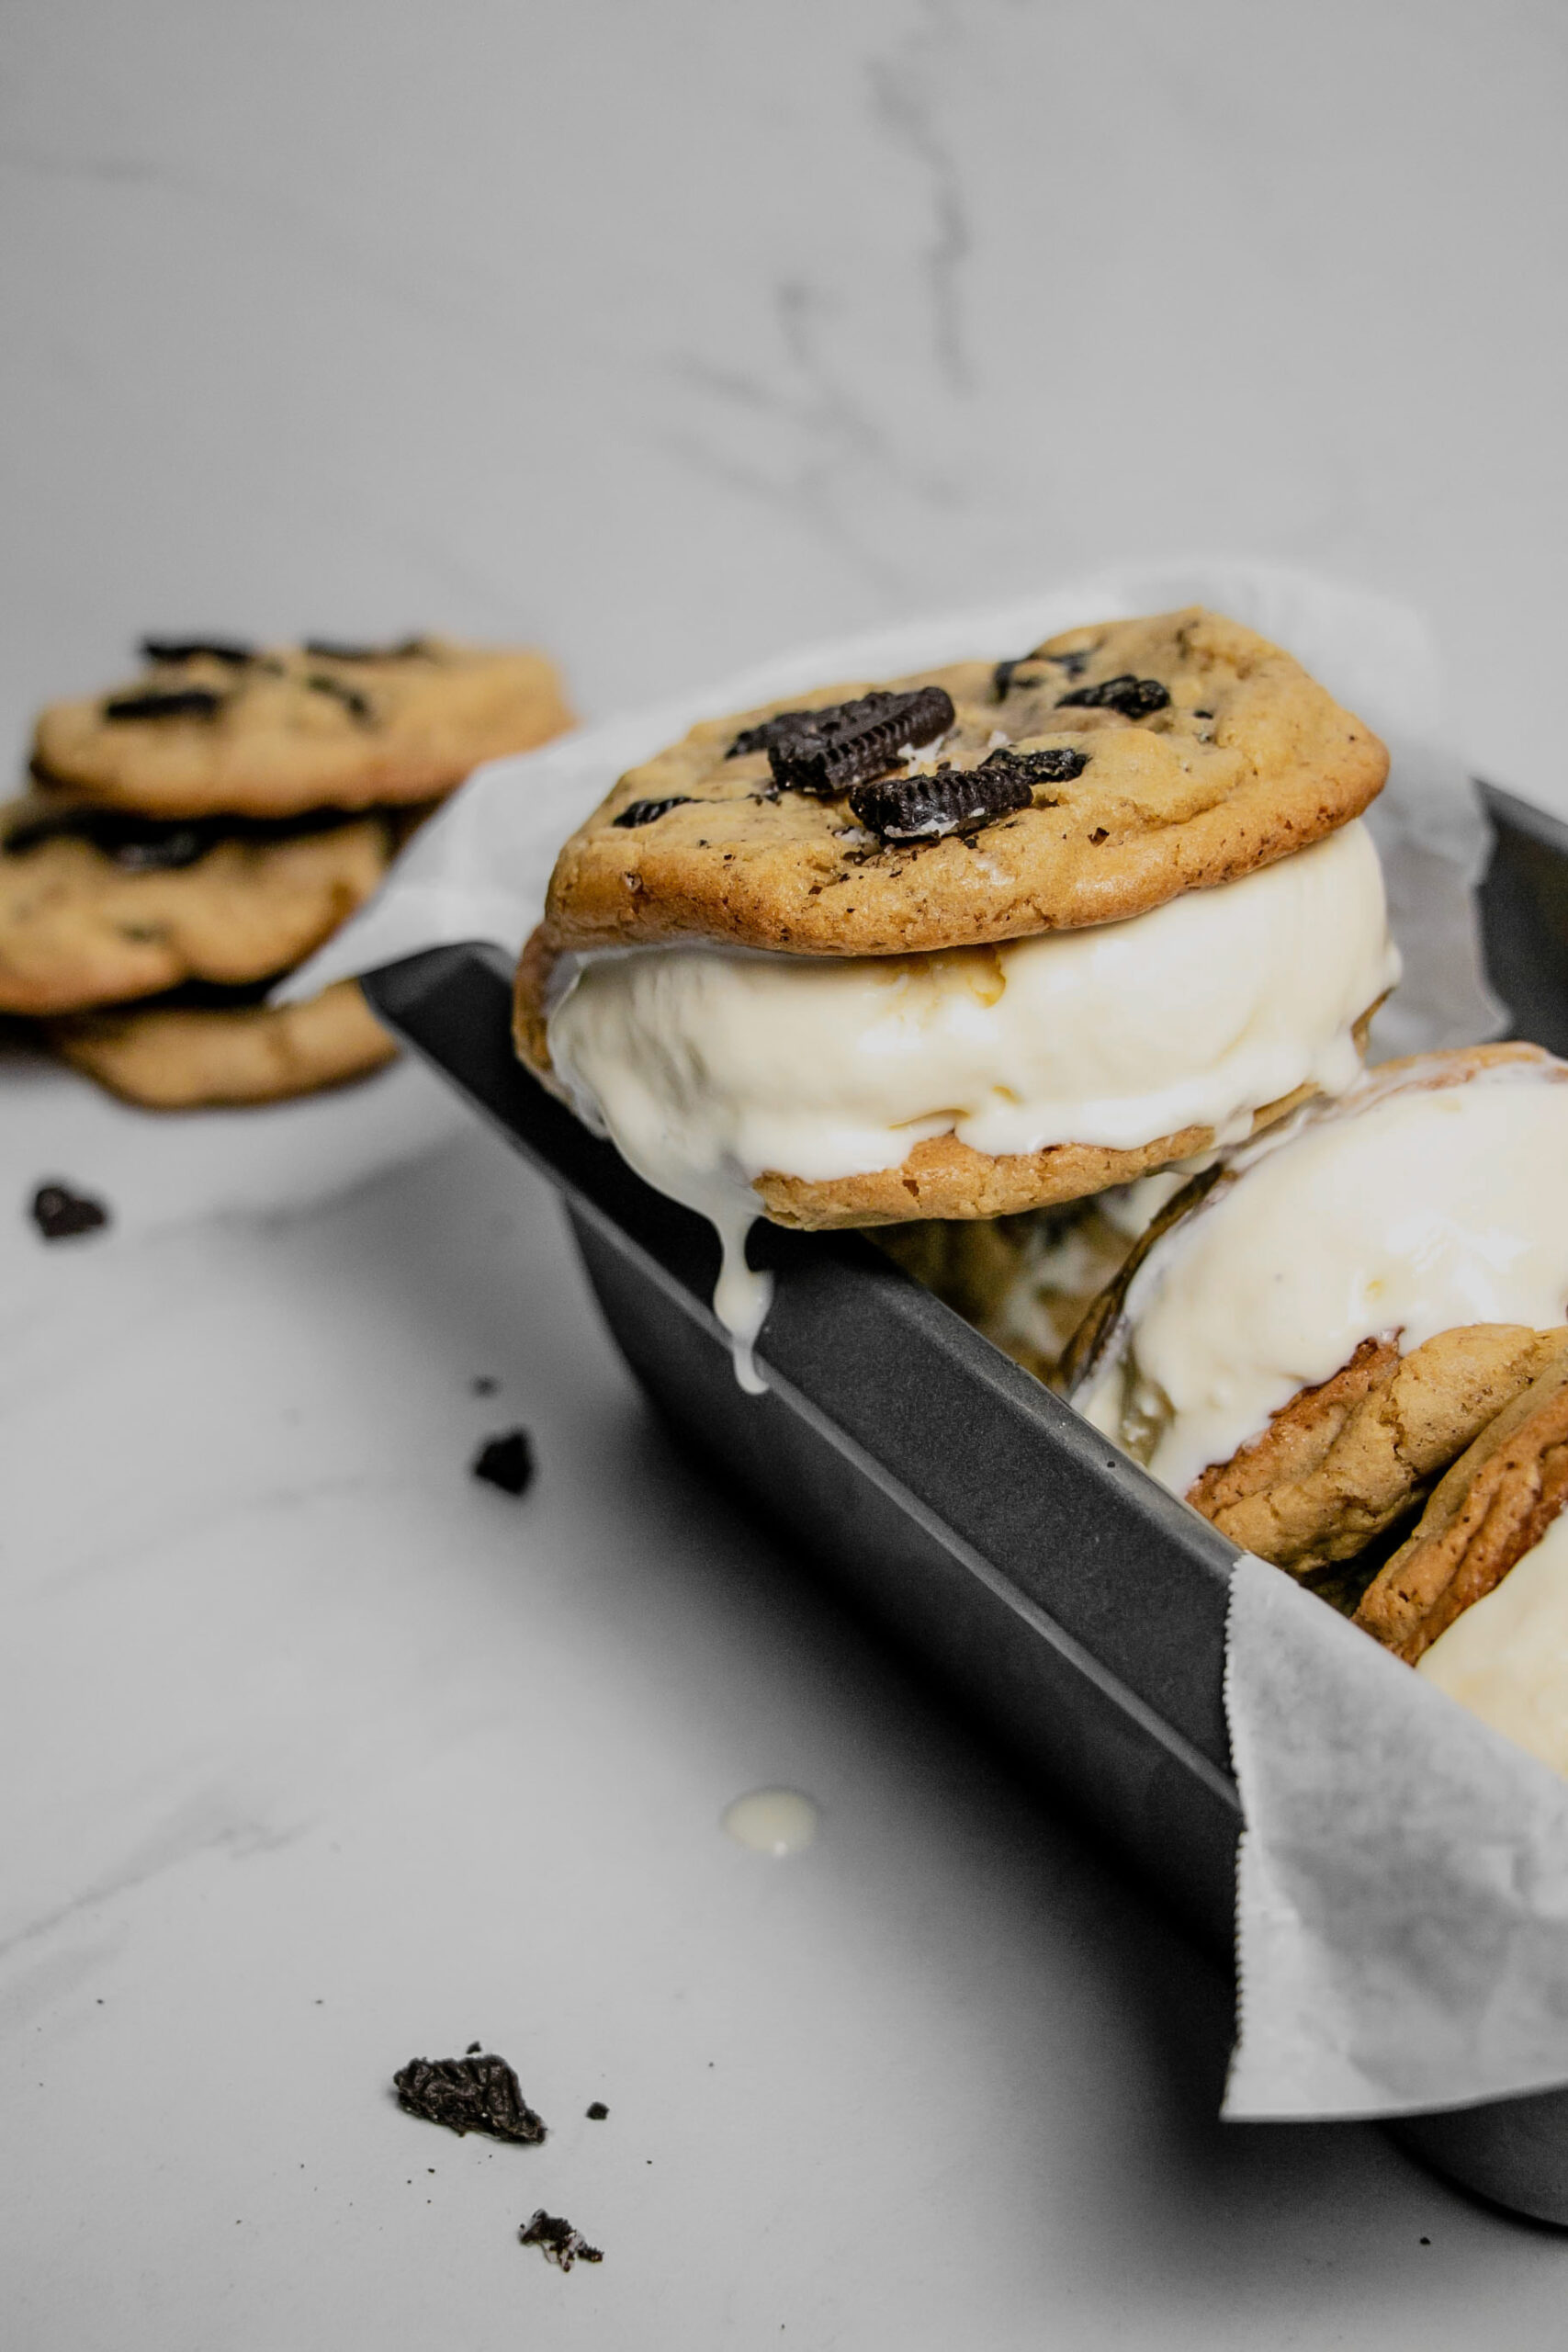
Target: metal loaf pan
1075,1608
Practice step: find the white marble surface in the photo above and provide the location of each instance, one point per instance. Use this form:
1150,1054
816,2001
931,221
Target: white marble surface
666,334
324,1755
672,333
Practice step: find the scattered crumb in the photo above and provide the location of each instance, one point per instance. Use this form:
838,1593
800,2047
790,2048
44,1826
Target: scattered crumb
468,2094
557,2240
598,2112
506,1461
60,1213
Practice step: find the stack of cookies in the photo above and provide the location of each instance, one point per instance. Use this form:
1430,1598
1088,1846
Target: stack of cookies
972,944
191,836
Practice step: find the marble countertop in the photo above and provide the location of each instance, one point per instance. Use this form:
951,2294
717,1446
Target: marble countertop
325,1755
667,337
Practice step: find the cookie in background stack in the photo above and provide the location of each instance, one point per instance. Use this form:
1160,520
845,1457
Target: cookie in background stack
191,837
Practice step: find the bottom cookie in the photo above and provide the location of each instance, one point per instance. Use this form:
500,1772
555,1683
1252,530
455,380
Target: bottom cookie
181,1057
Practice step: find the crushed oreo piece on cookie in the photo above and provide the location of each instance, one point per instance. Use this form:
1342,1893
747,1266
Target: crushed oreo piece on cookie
948,801
61,1215
1133,698
353,701
833,750
769,731
1058,765
229,650
648,813
598,2112
477,2093
557,2240
506,1461
165,702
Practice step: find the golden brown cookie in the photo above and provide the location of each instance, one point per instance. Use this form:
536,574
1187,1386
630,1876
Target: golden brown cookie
181,1057
1345,1461
211,729
1493,1506
96,906
944,1178
1096,778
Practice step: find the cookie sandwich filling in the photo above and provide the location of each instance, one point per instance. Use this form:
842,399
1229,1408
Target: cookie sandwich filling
710,1067
1430,1199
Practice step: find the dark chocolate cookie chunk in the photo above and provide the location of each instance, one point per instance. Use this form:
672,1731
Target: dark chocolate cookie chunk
177,649
648,813
479,2092
136,844
61,1215
165,702
950,801
153,845
506,1462
557,2240
830,751
961,800
1133,698
1055,763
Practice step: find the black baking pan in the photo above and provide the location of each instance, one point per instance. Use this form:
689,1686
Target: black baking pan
1073,1605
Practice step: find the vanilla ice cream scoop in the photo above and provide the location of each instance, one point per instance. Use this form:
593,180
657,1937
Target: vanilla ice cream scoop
712,1068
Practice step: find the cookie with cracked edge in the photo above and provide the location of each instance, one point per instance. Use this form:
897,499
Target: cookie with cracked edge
183,1058
1342,1463
940,1177
218,729
1247,760
1491,1508
96,907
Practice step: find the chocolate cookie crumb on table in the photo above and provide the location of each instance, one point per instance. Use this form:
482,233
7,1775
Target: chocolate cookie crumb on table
506,1461
476,2093
61,1215
557,2240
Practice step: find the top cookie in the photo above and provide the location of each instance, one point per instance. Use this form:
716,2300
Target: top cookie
1093,779
218,727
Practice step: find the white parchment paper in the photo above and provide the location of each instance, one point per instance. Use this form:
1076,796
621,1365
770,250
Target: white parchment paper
1402,1911
1405,1884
